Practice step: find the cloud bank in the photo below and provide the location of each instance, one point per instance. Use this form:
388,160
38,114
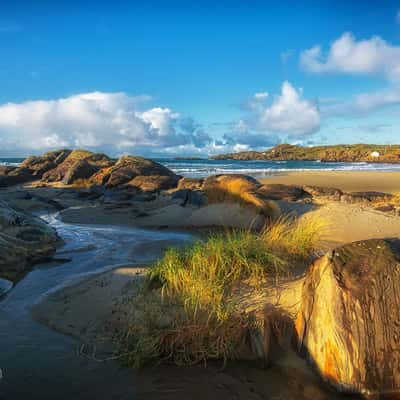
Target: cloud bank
112,122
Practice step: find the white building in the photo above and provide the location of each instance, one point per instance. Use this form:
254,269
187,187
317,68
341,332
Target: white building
375,154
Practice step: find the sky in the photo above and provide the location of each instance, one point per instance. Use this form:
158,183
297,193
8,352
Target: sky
167,78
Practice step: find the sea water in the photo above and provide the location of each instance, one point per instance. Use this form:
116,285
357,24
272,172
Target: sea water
257,168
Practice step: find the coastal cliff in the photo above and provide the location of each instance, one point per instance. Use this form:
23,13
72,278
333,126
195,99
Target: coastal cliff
337,153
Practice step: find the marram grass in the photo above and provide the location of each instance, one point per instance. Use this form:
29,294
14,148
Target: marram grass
186,311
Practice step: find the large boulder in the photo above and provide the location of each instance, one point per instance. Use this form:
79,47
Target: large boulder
79,164
38,165
137,172
349,319
24,240
85,168
32,168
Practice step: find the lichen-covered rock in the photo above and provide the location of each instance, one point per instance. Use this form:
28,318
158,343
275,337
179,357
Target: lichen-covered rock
349,319
24,240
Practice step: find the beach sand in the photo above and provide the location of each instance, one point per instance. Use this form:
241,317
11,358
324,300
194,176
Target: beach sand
90,310
349,181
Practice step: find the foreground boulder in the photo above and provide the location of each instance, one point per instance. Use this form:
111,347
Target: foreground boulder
349,320
24,240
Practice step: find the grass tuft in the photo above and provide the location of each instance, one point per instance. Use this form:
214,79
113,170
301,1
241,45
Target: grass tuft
187,313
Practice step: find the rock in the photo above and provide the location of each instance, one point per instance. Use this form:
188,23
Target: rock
365,197
79,164
40,165
190,183
323,193
15,176
349,319
24,240
85,168
138,172
5,286
189,197
153,183
284,192
32,168
387,208
240,189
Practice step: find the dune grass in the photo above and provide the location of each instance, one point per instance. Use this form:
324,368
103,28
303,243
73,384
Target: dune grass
186,312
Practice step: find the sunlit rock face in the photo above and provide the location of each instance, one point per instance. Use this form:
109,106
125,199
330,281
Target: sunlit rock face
349,319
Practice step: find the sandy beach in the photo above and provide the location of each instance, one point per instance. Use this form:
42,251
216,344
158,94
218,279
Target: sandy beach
349,181
345,223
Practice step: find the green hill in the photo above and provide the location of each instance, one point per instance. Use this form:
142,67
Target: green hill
336,153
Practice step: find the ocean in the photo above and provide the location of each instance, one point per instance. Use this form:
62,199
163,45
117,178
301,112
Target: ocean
201,168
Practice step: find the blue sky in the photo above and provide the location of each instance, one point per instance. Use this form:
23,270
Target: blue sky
169,77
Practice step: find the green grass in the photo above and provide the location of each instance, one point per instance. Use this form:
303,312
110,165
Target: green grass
187,313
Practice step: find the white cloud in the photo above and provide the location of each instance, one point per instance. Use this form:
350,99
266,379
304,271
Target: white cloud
362,104
111,122
289,113
287,117
347,55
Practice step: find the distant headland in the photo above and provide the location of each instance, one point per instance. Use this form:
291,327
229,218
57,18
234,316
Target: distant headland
334,153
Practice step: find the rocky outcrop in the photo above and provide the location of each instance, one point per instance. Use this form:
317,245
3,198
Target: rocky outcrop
349,319
24,240
138,172
79,164
87,168
41,164
32,168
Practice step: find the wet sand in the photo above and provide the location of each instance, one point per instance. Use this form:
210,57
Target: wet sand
349,181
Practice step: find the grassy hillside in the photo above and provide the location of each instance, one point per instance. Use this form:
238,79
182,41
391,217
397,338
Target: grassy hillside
337,153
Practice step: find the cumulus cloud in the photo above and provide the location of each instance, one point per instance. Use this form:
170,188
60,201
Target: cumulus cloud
111,122
268,122
288,113
351,56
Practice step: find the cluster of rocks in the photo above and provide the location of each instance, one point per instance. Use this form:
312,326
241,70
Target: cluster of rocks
24,240
85,168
